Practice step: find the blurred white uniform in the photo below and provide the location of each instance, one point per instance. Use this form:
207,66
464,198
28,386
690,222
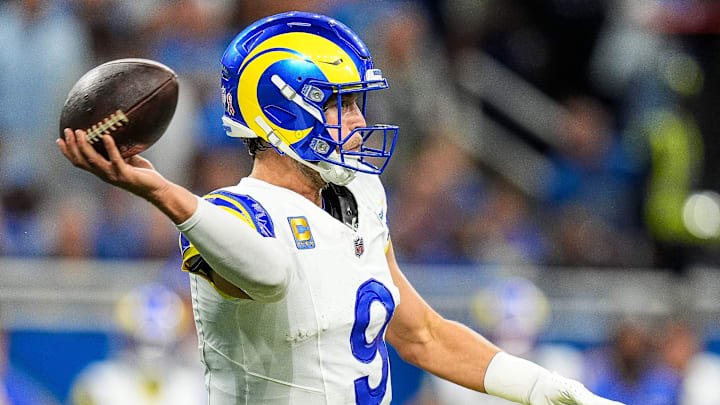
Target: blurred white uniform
324,342
154,369
700,385
121,381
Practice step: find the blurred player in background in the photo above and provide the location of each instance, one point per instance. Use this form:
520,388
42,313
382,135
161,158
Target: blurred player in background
152,369
294,281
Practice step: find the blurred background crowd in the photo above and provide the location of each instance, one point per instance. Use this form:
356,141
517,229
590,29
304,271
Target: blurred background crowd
543,135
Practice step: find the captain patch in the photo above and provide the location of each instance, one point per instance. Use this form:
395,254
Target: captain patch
301,232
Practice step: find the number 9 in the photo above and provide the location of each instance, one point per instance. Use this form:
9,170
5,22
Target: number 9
372,290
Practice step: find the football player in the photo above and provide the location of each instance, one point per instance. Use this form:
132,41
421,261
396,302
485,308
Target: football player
294,281
151,369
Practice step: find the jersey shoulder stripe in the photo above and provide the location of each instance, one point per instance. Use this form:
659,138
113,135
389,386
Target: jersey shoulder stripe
245,207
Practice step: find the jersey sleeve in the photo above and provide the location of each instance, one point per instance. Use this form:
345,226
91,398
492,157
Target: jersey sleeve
250,211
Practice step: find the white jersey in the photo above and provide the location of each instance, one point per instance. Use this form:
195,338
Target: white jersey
324,342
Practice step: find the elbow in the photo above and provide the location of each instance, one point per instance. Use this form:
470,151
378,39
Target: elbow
411,349
417,343
272,288
412,353
271,293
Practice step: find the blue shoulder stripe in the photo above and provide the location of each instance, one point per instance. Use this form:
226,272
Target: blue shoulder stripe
223,203
184,243
258,214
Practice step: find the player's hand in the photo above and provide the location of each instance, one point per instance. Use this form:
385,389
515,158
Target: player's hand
553,389
134,174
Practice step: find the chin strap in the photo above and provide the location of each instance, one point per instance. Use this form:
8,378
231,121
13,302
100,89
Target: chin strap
329,172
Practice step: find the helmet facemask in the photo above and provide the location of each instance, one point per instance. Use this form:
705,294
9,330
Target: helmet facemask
378,141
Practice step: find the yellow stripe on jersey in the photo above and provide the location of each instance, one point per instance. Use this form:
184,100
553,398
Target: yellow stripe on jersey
187,254
231,206
242,206
212,283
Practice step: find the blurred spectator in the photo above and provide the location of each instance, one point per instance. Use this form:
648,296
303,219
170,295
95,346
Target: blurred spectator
122,227
154,368
115,27
172,153
162,236
422,101
678,346
428,215
635,374
2,230
25,233
595,192
44,51
218,167
686,374
503,231
249,11
73,228
191,36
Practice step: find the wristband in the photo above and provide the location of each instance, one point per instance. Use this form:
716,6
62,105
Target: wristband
511,377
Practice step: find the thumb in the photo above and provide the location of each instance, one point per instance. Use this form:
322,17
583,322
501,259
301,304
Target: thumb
583,396
561,390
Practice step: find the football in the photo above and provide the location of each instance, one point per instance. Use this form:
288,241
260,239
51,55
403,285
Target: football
133,100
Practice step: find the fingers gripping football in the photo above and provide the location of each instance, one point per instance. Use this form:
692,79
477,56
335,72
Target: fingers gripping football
553,389
134,174
82,155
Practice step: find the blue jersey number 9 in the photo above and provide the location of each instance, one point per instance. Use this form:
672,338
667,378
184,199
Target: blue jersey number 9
372,290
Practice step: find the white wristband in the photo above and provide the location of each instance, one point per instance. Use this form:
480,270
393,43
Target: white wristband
512,378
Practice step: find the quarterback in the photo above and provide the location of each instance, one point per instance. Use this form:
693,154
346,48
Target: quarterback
294,282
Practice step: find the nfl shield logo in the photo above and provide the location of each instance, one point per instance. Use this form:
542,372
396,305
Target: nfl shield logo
359,246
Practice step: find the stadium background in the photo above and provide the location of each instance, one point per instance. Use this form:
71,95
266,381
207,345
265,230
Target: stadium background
564,144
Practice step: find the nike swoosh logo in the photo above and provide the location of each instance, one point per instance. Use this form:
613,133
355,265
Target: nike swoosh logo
336,62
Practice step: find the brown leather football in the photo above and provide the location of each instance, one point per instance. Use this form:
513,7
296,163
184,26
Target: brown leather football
131,99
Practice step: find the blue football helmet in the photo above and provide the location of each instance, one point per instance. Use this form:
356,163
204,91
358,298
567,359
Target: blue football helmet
277,76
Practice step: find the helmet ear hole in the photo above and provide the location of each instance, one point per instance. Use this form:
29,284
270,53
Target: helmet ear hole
299,78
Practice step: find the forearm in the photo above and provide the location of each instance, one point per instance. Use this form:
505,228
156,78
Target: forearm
451,351
458,354
255,264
